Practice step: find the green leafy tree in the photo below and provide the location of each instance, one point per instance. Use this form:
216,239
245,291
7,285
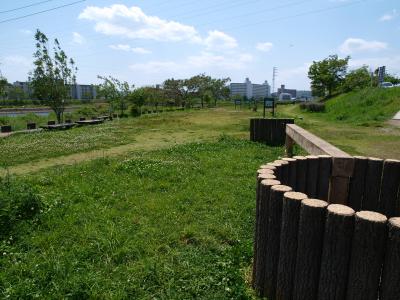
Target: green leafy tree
3,86
392,78
53,75
357,79
138,97
327,75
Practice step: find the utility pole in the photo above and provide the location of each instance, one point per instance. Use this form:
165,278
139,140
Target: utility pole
274,74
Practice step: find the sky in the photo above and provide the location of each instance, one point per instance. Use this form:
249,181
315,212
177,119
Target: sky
145,42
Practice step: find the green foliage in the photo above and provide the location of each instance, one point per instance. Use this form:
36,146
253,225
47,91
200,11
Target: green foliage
313,106
3,86
392,78
19,203
135,111
357,79
327,75
157,225
52,77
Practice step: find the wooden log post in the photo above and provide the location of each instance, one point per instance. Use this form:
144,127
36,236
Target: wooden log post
284,174
390,287
312,176
288,244
5,128
291,178
262,232
336,251
357,183
324,174
309,248
390,188
367,254
372,184
273,239
301,173
260,178
278,169
252,130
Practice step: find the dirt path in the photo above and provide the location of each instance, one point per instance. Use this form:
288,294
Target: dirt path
157,140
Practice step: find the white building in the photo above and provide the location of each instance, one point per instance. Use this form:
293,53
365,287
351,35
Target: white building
250,90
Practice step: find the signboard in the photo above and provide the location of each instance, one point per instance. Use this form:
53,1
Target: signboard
269,103
381,74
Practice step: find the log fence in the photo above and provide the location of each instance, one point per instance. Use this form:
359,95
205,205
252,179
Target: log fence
328,225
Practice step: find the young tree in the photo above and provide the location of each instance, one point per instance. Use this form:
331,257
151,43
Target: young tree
138,97
357,79
327,75
53,76
3,86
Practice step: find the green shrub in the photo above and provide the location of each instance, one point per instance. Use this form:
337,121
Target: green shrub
135,111
19,202
313,106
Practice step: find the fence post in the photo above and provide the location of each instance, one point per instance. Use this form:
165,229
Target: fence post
312,176
288,244
336,250
357,182
372,184
324,173
309,249
284,170
291,172
390,287
273,238
390,188
261,232
301,173
367,255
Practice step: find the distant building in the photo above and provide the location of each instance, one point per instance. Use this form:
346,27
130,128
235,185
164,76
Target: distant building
284,90
304,95
250,90
77,91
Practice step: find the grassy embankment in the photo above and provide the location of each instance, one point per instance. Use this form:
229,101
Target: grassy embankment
356,122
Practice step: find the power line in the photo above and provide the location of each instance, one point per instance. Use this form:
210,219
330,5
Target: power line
40,12
26,6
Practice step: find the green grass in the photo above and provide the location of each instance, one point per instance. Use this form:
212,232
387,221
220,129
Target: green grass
167,224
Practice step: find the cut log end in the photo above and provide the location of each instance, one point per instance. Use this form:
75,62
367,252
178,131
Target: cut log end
268,167
371,216
299,157
395,222
340,209
314,203
289,159
295,196
270,182
312,157
375,159
324,156
361,157
263,176
281,188
265,171
281,161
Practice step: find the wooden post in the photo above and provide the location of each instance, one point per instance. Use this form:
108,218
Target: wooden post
251,128
324,174
336,250
390,287
312,176
372,184
273,239
309,248
301,173
262,233
284,171
288,244
278,169
367,254
390,188
289,143
357,183
291,172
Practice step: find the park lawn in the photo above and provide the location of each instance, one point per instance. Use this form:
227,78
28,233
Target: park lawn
175,223
166,129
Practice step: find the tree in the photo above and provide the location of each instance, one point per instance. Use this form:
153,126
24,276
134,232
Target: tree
392,78
115,92
327,75
138,98
53,75
3,86
357,79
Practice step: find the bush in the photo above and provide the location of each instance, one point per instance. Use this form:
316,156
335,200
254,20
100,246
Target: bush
135,111
313,106
19,203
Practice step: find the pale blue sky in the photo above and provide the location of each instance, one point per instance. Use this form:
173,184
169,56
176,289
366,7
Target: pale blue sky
147,41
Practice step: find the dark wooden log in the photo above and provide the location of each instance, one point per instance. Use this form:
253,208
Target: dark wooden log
6,128
288,244
312,175
357,183
390,188
273,238
367,254
284,174
51,123
267,131
372,184
30,126
301,173
309,248
390,285
336,251
252,130
260,177
261,233
324,174
292,172
278,169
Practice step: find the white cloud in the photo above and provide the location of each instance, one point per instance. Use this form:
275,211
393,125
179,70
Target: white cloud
265,47
155,66
389,16
132,22
392,63
77,38
17,60
127,48
219,40
26,31
352,45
